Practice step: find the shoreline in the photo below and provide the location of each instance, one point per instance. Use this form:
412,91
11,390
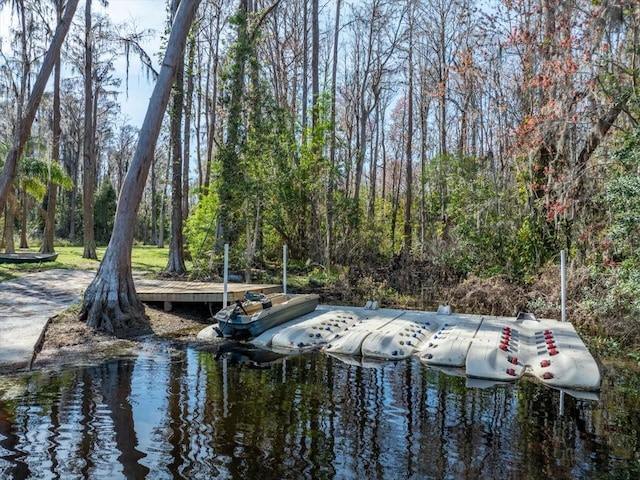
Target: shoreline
66,341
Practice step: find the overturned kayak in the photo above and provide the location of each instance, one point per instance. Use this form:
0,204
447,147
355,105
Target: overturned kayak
259,313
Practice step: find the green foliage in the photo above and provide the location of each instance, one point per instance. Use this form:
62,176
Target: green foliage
200,228
622,195
304,275
613,295
604,347
622,198
635,355
269,183
231,190
475,219
527,246
298,181
105,211
34,173
28,179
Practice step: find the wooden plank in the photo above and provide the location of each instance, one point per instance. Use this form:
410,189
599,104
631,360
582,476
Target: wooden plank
168,291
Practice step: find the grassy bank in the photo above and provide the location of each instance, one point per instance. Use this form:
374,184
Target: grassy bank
144,258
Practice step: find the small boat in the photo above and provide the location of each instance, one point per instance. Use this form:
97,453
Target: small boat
27,257
259,312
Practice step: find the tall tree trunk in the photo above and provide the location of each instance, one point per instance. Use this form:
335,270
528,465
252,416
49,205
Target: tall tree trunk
163,214
212,103
175,265
305,72
408,226
25,123
442,84
374,168
316,239
154,204
23,219
50,215
88,157
231,199
110,302
74,196
424,115
10,217
328,252
188,108
361,146
200,104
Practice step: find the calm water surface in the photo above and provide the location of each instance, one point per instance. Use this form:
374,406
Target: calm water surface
197,414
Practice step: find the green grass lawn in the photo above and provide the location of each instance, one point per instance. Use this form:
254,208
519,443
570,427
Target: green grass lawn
144,258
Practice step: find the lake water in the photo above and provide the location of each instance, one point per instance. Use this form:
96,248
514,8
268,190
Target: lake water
197,414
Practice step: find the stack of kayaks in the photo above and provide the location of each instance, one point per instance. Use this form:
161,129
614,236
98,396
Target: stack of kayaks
499,349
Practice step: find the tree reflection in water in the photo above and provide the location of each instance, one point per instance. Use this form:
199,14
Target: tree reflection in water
253,414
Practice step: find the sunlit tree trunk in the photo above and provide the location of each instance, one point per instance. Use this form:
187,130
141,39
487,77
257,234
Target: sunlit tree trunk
74,195
19,196
110,302
212,102
163,217
188,109
23,219
408,226
424,115
305,72
328,253
88,157
176,264
12,208
154,204
316,238
50,215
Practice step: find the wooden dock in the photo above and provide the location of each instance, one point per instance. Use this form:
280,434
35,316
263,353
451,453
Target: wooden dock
170,291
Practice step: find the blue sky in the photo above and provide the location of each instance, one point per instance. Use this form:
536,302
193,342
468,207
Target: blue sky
145,14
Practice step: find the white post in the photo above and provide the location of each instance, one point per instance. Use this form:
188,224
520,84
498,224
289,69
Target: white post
563,284
284,268
225,275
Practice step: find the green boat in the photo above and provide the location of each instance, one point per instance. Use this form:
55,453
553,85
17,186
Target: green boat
27,257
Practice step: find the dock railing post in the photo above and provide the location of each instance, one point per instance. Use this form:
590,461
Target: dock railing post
563,284
284,268
563,301
225,275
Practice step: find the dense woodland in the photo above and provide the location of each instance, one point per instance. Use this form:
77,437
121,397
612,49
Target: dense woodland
409,145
